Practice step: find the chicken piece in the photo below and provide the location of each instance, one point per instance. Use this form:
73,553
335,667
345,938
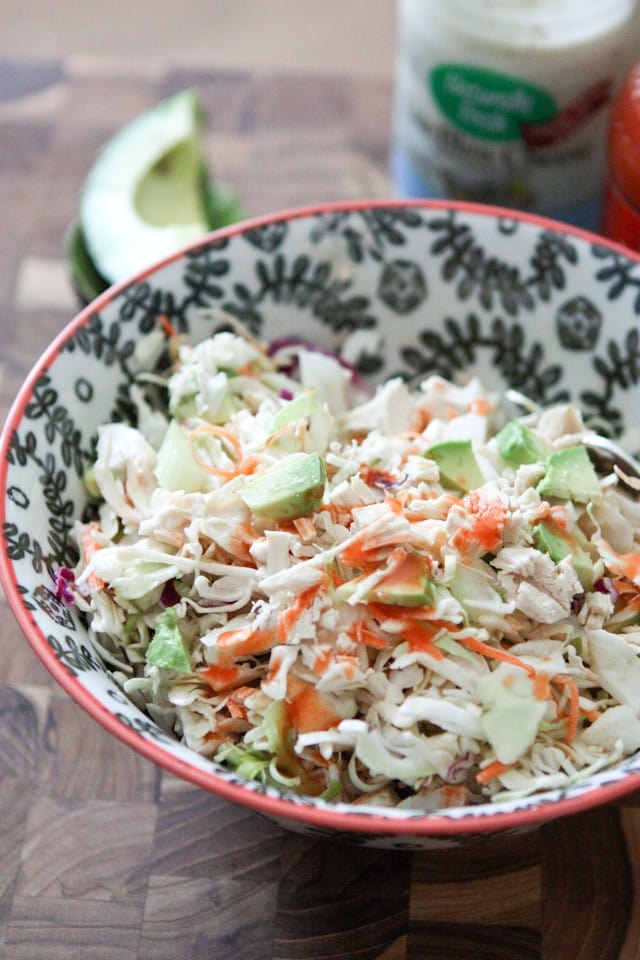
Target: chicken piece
540,588
561,423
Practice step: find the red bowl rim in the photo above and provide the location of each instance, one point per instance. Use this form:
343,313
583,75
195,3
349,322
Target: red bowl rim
321,816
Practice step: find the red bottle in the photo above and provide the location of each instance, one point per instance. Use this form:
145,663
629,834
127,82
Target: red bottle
621,204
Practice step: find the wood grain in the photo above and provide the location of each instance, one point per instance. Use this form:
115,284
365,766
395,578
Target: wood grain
102,855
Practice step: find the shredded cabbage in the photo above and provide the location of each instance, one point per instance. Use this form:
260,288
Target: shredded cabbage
405,627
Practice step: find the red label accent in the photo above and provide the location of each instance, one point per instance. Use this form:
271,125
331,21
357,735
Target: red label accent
564,123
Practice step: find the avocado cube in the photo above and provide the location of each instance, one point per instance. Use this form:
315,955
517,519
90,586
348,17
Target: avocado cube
457,464
570,475
292,488
517,444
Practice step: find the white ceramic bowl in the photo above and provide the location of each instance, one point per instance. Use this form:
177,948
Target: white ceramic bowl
401,287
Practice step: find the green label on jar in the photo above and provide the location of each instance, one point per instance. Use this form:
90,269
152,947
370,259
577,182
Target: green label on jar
490,105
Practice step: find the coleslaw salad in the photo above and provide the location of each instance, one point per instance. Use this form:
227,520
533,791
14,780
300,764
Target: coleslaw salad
287,573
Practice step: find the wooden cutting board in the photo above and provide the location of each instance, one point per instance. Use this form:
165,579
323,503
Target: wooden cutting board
103,856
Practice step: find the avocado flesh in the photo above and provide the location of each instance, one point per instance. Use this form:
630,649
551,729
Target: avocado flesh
457,464
144,197
548,539
407,585
518,445
292,488
570,475
170,193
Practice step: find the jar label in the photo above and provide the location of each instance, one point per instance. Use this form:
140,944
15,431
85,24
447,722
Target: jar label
489,105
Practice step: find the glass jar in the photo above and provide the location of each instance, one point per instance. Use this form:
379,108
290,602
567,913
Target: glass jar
508,101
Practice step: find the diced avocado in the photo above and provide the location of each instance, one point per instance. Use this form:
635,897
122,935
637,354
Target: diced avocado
301,406
550,539
175,468
570,475
167,648
511,713
408,584
457,464
292,488
90,483
517,444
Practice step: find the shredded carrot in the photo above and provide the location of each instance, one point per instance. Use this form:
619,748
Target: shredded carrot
167,326
244,642
237,700
306,529
421,420
308,709
494,769
322,661
275,662
420,639
374,477
220,677
241,541
365,547
541,689
485,527
574,703
361,634
224,435
389,611
624,586
279,434
335,578
338,514
557,514
481,406
495,653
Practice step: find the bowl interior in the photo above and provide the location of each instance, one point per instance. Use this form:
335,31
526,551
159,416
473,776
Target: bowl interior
411,289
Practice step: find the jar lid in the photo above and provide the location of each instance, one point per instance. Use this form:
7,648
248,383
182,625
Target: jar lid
544,24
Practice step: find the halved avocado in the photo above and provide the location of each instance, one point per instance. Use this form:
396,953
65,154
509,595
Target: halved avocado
147,195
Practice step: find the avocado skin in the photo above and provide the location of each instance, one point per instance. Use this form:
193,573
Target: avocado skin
570,475
457,464
548,539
